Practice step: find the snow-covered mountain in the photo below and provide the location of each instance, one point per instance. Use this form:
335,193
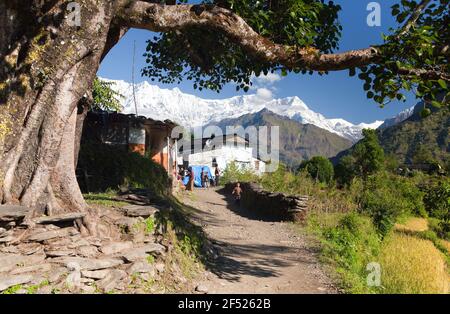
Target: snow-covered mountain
192,111
400,117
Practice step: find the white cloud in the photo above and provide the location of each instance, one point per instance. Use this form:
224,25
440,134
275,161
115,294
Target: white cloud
263,86
264,93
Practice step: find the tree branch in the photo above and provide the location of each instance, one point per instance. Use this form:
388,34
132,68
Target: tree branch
424,74
164,18
413,18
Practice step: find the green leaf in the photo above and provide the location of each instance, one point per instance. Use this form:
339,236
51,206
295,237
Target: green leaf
442,83
425,112
436,104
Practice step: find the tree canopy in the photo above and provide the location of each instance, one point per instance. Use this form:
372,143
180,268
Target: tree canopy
365,158
301,36
319,168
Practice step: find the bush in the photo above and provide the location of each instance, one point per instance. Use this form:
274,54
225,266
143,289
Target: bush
387,197
319,168
345,171
281,180
437,204
350,245
110,167
233,173
440,227
437,200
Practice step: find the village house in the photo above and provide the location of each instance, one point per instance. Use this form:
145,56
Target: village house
220,152
138,134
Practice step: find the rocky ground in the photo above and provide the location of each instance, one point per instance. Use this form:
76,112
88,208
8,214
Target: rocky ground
138,253
131,256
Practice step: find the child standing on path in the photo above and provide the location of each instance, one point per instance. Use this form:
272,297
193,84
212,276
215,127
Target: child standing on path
205,178
237,191
217,176
190,186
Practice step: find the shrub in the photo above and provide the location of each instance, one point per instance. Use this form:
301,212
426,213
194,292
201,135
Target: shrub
345,170
440,227
233,173
437,200
281,180
350,246
387,197
437,204
320,168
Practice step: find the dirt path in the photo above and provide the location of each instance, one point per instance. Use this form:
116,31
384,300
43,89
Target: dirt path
255,256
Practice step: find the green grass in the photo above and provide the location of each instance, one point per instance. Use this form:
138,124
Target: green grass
34,288
30,289
108,199
349,243
150,259
149,225
13,289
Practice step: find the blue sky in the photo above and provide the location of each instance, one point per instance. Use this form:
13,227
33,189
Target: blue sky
335,95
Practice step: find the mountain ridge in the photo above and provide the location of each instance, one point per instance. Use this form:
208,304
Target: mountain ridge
192,111
416,139
297,141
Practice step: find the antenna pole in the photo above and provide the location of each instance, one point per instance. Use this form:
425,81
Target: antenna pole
133,81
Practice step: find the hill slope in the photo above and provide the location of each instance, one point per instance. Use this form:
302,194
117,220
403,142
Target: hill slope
430,135
297,141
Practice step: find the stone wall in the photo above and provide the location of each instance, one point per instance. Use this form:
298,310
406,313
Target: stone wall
277,206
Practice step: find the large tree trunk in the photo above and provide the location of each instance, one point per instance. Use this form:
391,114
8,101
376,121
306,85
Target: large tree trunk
49,70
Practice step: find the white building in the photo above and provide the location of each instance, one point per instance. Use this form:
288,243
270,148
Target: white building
220,152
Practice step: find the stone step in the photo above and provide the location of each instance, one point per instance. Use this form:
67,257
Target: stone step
115,247
42,268
88,263
95,274
140,211
58,218
40,236
9,262
7,281
12,212
111,280
138,253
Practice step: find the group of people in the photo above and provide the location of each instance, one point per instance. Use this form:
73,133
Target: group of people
205,179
